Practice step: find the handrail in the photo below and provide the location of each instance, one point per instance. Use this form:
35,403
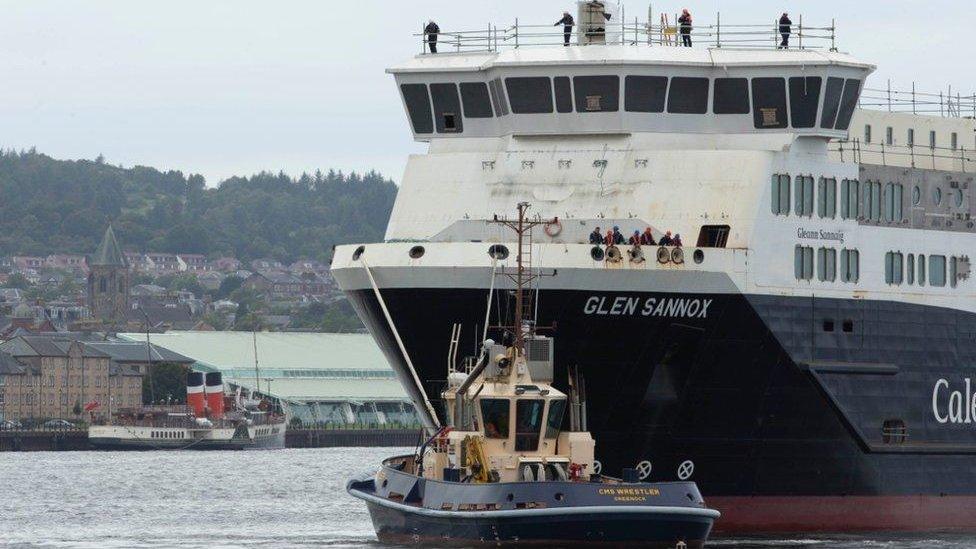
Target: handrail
626,32
945,103
918,155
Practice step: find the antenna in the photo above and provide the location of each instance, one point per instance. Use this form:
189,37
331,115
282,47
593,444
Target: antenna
257,370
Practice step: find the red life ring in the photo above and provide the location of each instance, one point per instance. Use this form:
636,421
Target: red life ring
554,228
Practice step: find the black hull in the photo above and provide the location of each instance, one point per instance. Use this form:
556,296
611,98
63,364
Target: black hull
768,396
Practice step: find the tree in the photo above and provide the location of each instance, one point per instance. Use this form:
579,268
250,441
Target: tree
18,281
167,380
228,286
77,408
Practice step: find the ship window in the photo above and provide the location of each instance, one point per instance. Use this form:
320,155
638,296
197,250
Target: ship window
597,93
911,137
850,265
916,195
889,136
936,196
564,94
781,194
848,326
937,270
831,102
828,325
932,139
826,264
957,196
894,198
804,195
849,199
645,93
872,200
418,107
769,102
688,95
494,416
474,97
867,133
893,267
731,96
894,431
530,95
852,89
827,197
954,140
555,420
910,270
497,97
804,98
803,262
921,270
528,424
713,236
953,270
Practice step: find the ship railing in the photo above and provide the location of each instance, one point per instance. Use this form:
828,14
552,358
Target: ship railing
766,36
945,103
916,156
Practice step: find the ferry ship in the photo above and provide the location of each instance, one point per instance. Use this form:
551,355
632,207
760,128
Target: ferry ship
210,420
805,356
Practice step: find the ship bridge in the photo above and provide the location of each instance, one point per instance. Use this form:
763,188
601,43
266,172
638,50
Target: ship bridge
635,80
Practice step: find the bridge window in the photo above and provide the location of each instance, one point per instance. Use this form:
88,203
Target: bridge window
803,262
852,90
937,270
826,264
555,420
910,270
688,95
850,266
645,93
827,194
769,102
804,195
921,270
781,194
528,424
872,201
564,94
418,107
496,90
447,107
893,267
597,93
474,97
804,98
835,87
530,95
849,199
494,415
731,96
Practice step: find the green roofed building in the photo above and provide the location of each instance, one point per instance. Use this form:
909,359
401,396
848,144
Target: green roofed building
340,380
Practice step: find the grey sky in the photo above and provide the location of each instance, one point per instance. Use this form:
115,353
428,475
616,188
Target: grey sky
234,87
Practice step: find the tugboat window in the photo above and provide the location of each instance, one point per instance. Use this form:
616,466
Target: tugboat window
804,98
530,95
564,94
852,90
474,97
418,107
597,93
555,420
494,414
645,93
769,103
528,424
731,96
688,95
835,86
446,106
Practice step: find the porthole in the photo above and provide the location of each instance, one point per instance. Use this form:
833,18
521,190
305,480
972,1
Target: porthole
957,194
677,256
916,195
596,253
663,255
937,196
510,497
358,253
498,251
698,256
560,496
417,252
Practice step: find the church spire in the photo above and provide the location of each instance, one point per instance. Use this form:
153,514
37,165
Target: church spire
109,253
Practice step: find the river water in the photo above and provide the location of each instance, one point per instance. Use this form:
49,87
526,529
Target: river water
275,499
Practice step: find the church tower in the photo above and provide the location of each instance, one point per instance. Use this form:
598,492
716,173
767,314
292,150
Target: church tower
108,281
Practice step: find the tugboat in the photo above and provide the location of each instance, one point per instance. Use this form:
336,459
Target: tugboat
504,471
